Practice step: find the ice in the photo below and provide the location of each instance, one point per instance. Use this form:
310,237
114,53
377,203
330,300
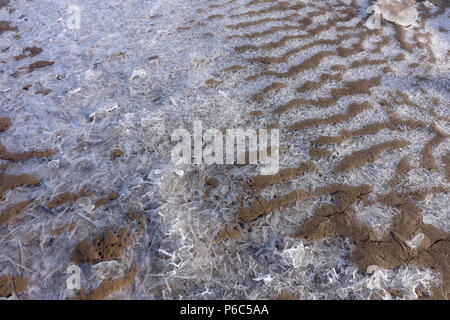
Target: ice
400,12
103,100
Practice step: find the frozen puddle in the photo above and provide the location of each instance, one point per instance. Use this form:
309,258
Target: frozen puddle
92,93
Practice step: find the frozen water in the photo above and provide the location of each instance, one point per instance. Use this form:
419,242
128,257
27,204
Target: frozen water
129,77
400,12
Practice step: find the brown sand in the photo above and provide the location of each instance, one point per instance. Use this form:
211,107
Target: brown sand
39,64
69,196
261,206
229,232
359,158
117,153
108,287
12,284
5,27
68,228
13,212
112,196
107,246
5,123
21,156
12,181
